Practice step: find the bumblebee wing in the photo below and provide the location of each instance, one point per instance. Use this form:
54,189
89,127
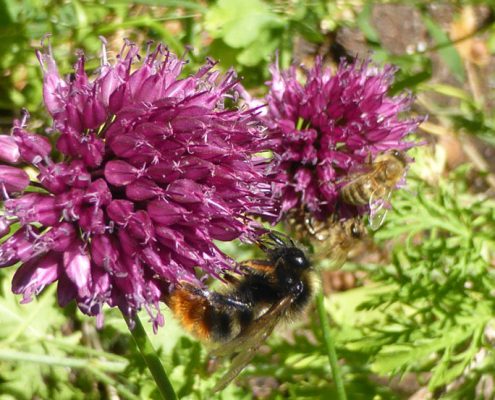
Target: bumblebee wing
238,364
256,332
248,342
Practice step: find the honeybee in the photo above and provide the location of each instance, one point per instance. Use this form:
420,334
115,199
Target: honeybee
374,187
334,239
240,319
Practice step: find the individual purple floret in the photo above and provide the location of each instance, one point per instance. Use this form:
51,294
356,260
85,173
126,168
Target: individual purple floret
329,127
151,168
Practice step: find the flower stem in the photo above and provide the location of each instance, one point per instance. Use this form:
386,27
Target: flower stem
7,354
330,347
151,359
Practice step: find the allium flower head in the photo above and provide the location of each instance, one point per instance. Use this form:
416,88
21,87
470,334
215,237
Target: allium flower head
150,169
329,127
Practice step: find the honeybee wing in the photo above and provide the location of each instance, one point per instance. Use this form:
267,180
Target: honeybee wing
378,211
248,342
356,174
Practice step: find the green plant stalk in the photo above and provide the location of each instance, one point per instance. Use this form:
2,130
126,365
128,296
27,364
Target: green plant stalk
151,359
330,347
121,389
96,367
69,362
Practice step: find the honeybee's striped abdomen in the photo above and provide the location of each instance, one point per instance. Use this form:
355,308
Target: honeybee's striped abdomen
199,316
357,193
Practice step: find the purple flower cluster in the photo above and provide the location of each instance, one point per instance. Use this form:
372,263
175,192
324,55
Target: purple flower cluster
329,127
150,170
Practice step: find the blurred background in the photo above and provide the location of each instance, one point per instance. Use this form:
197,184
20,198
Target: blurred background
412,310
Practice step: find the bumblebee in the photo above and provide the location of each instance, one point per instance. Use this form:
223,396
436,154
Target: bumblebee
375,186
241,318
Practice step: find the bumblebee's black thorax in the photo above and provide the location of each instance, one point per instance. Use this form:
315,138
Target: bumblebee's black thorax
289,277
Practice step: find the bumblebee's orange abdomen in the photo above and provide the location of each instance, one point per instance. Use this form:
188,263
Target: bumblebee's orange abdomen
191,310
199,316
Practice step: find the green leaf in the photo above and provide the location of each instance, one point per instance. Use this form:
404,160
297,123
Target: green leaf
343,306
240,22
260,50
410,81
446,49
363,22
445,373
11,9
183,4
449,90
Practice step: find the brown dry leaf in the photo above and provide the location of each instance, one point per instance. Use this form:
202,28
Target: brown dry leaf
471,49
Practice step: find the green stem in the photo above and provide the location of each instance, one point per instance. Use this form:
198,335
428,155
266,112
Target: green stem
330,347
70,362
98,368
121,389
77,349
151,359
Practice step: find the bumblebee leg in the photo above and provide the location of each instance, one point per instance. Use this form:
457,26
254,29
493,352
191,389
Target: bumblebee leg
274,239
280,239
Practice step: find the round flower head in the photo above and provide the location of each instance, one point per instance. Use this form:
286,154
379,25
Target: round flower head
150,170
328,128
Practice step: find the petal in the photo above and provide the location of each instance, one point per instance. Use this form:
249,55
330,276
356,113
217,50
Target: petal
163,172
13,179
166,213
34,275
66,290
105,254
16,248
54,87
141,227
153,259
222,229
33,148
92,220
120,211
143,189
120,173
59,238
77,266
98,193
185,191
5,225
9,151
34,207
